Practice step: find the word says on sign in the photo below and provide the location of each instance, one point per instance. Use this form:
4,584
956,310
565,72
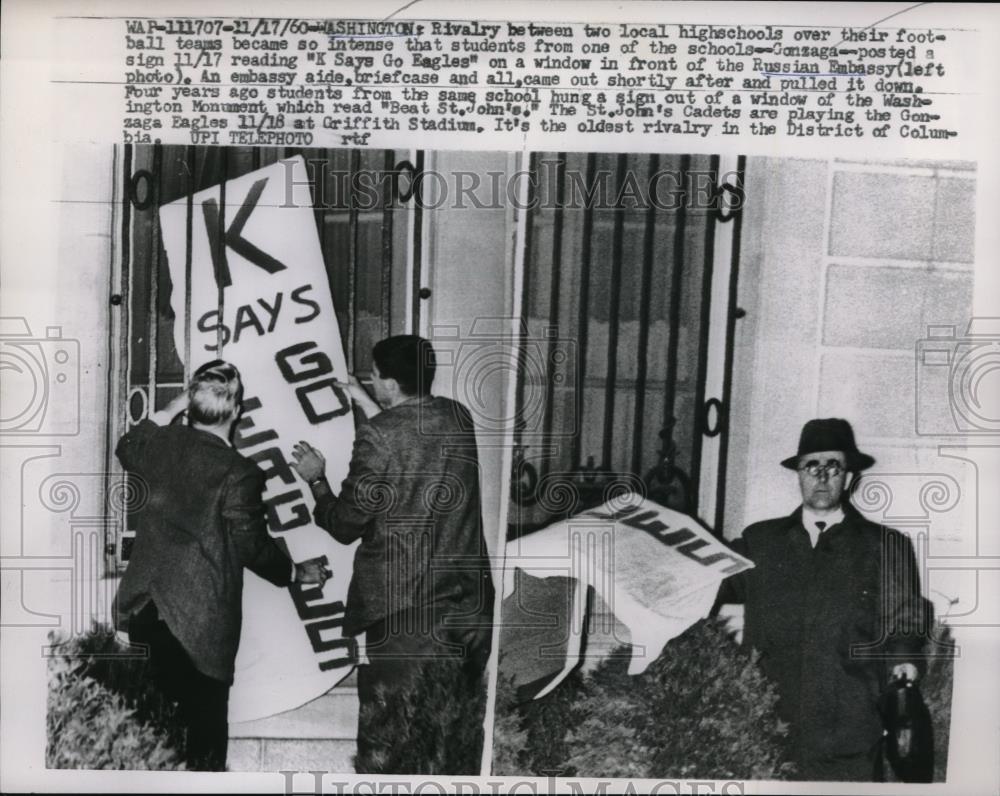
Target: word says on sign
263,318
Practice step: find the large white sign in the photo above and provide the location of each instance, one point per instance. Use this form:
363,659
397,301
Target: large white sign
259,298
658,570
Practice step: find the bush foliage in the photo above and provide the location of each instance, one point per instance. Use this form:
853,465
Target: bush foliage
103,710
434,727
703,708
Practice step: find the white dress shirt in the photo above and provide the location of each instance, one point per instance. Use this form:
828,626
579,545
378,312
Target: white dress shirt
811,520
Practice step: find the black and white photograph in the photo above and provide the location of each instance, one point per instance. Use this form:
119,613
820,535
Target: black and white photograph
501,398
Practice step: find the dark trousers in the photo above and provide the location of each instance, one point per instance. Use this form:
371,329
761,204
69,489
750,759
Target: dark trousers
402,684
202,701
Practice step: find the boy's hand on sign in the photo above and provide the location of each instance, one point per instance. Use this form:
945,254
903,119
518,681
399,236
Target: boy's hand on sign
314,571
308,462
357,393
354,388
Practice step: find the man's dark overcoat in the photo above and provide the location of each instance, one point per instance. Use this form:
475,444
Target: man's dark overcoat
199,523
412,497
830,622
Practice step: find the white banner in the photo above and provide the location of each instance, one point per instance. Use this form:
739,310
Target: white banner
657,570
259,259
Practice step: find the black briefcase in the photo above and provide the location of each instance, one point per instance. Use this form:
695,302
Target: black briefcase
908,734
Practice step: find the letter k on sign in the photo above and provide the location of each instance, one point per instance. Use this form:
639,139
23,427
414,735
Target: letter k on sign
234,237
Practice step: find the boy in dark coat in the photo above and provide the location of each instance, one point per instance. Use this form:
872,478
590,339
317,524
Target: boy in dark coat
202,524
421,594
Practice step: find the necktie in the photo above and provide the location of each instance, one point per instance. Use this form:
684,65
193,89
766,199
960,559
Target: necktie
821,526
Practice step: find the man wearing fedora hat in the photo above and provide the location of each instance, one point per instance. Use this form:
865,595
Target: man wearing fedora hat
833,605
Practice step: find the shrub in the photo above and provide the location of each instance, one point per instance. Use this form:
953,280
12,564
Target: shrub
703,708
433,727
104,711
532,737
510,738
90,726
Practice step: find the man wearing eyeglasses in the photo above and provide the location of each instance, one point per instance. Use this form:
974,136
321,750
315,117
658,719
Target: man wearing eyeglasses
833,604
